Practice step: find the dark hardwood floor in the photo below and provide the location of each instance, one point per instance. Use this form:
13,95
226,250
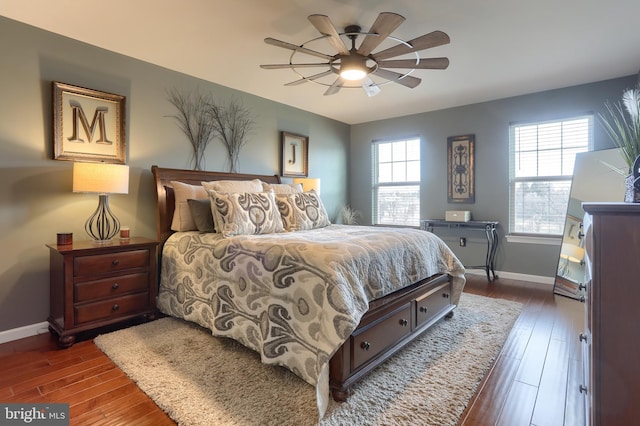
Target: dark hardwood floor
534,380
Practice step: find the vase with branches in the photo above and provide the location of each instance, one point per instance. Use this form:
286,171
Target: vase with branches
233,123
194,120
621,121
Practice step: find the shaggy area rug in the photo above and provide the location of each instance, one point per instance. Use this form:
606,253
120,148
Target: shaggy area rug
199,379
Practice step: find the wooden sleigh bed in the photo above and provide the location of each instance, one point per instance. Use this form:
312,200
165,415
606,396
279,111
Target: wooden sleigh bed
390,322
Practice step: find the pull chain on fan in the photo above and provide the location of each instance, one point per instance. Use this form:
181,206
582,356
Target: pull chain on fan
359,65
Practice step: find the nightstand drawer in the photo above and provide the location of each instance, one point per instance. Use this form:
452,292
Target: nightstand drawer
111,308
111,287
111,262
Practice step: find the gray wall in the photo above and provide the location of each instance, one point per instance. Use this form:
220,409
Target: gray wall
489,121
36,200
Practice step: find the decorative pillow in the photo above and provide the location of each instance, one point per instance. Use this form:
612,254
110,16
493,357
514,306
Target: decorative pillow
283,188
227,186
302,211
182,220
201,214
245,213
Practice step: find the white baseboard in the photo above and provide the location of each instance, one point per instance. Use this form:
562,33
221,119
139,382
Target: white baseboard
516,276
25,331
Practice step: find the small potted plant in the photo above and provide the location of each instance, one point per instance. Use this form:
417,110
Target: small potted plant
349,216
621,121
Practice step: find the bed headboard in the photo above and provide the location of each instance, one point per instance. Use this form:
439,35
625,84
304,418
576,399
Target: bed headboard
165,200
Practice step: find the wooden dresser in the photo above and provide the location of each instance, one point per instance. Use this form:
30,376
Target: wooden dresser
611,340
94,285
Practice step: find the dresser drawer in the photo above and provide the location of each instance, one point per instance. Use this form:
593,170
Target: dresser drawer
110,262
111,287
111,308
431,304
381,335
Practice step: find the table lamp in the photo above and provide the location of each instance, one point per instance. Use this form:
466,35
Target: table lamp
308,184
102,179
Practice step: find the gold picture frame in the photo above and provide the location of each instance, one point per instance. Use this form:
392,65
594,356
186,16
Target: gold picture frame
78,138
460,169
295,155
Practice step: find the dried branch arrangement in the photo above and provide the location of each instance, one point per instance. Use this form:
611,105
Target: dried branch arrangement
194,120
233,123
202,119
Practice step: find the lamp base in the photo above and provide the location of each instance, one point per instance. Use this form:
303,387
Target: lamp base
102,225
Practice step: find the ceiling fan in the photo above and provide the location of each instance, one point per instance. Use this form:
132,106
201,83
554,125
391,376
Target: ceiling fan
358,67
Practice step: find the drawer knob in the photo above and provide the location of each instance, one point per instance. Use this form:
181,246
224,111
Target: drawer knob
445,295
582,286
365,345
403,322
115,262
115,286
583,337
115,307
583,389
423,309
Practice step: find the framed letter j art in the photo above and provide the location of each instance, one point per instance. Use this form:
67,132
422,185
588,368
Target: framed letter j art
460,179
295,155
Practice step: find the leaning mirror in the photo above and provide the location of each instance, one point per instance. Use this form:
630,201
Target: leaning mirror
596,177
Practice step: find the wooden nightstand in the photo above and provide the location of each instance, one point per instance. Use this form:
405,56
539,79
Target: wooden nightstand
93,285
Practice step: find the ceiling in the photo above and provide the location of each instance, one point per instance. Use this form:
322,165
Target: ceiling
498,49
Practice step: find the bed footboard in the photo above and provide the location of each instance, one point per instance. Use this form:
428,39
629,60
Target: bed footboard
389,324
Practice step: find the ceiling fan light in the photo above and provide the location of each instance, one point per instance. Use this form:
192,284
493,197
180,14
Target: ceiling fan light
353,74
352,68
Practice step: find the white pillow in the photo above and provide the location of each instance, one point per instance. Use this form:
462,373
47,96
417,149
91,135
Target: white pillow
245,213
182,220
282,188
226,186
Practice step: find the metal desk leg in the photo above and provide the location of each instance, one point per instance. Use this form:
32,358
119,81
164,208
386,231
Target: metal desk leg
487,264
492,247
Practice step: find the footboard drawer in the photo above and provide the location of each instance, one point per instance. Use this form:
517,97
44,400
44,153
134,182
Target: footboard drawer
380,334
431,304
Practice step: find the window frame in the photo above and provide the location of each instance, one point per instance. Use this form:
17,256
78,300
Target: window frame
376,184
538,237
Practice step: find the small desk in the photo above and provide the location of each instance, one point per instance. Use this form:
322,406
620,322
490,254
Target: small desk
490,228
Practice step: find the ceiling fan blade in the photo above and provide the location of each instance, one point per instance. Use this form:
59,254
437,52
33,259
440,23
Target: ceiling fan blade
370,88
383,27
335,87
310,78
407,81
282,66
425,63
324,25
433,39
291,46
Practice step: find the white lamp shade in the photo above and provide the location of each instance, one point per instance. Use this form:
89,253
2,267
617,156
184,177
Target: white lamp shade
101,178
308,184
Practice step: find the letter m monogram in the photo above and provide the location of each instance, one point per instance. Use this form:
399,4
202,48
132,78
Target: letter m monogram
79,118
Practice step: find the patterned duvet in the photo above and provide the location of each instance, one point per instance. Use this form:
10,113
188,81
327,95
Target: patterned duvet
295,297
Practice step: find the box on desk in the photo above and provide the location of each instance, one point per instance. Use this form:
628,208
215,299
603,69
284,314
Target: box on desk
457,216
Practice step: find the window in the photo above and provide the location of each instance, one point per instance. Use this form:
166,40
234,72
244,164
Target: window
540,172
396,182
